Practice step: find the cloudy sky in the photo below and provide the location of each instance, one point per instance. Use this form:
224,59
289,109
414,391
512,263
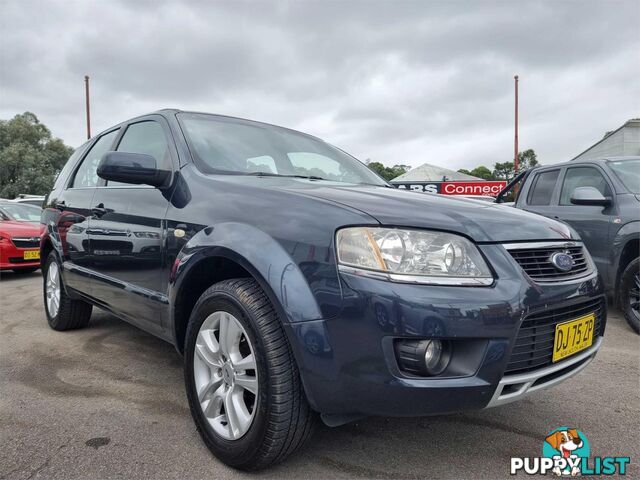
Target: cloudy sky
396,82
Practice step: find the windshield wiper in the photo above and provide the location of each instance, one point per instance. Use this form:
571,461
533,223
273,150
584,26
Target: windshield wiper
271,174
309,177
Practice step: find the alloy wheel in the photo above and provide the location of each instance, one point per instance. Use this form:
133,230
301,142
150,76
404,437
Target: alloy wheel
225,373
53,289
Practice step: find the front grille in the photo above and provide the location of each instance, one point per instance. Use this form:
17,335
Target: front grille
26,242
536,261
533,348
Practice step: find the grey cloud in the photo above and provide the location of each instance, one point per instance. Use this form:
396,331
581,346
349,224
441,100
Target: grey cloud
398,82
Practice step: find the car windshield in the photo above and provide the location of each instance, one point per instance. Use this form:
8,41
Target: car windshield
628,171
20,212
234,146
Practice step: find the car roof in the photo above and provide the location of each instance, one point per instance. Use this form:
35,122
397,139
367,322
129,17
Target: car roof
596,161
171,112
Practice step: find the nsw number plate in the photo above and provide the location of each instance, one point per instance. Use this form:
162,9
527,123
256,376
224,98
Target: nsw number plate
573,336
31,255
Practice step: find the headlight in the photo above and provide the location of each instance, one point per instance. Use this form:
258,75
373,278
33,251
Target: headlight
413,256
146,234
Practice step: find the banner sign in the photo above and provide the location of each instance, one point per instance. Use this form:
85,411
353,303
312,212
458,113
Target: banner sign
489,188
472,188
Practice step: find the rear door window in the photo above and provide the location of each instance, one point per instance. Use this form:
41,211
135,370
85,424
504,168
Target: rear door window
543,186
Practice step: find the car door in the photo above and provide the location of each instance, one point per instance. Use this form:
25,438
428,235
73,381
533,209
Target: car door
127,232
591,221
74,204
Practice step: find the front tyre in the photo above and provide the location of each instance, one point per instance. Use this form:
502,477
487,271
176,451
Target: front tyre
63,312
242,382
630,294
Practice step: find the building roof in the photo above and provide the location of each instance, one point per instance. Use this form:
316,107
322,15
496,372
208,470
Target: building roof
634,122
433,173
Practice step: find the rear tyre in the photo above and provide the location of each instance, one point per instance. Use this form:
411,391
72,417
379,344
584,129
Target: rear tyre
243,385
63,312
630,294
25,270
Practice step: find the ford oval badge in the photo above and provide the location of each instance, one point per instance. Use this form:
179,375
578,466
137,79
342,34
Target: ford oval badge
562,261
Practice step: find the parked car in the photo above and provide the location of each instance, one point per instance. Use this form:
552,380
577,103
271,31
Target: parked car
20,232
36,200
601,200
297,282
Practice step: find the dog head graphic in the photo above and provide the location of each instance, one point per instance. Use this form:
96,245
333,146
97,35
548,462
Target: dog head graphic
565,441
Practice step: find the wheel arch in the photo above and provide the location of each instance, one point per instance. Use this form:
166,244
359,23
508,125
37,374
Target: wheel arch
630,251
45,249
237,251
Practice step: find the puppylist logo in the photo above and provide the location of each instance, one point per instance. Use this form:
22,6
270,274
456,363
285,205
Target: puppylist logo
566,452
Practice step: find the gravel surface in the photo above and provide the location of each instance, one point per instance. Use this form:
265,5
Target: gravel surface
108,402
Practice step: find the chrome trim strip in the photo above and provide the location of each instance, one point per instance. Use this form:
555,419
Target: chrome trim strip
528,379
418,279
582,277
533,245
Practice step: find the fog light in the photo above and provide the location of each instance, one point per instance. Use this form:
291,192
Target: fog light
423,357
433,354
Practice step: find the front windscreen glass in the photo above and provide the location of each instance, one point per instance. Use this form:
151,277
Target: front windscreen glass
628,171
234,146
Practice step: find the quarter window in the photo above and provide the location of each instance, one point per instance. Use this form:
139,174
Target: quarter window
147,138
582,177
543,187
87,174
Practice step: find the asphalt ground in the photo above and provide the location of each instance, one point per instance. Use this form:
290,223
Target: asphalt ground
108,402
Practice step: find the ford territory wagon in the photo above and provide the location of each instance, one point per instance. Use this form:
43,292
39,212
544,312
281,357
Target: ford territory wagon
299,285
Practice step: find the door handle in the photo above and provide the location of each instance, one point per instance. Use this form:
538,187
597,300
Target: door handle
99,210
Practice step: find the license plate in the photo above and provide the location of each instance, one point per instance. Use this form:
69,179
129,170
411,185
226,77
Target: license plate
573,336
31,255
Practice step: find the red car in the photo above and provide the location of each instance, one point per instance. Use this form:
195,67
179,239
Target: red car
20,232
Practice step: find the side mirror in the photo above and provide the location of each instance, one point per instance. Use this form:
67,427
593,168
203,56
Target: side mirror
589,196
135,168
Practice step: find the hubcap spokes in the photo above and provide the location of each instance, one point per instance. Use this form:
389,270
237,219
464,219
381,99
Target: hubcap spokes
52,289
225,374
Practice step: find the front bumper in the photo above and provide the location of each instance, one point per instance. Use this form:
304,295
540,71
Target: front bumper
348,365
516,387
12,258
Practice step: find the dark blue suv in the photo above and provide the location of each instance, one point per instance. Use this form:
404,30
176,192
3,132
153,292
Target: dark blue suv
298,284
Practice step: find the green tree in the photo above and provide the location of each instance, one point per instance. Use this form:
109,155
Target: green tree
482,172
526,160
30,158
503,171
388,173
